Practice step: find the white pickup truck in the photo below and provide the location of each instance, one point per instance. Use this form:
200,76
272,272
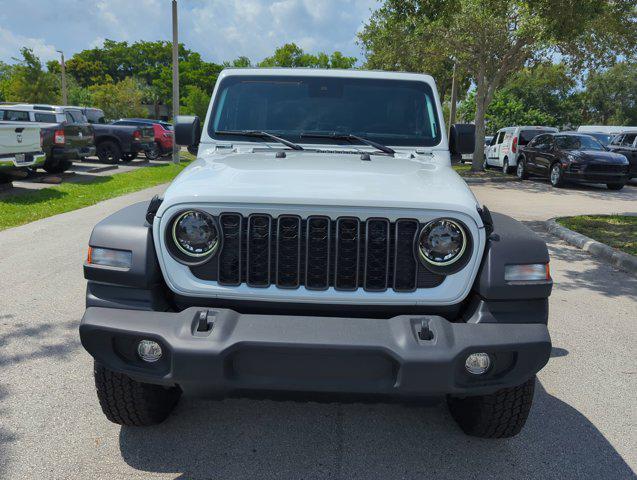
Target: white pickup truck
20,147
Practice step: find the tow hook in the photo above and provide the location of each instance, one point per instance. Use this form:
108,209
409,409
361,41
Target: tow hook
205,321
425,332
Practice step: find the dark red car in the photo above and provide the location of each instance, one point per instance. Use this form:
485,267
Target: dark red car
163,134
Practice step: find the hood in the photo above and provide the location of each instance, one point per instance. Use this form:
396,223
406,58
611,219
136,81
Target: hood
330,179
598,156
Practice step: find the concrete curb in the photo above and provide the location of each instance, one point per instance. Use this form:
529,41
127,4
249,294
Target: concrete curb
478,180
611,255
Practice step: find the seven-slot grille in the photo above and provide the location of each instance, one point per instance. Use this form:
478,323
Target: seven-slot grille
317,253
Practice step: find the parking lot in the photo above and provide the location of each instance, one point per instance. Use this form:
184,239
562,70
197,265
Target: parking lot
582,424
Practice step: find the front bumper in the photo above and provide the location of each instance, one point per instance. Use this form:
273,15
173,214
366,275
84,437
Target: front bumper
322,354
588,176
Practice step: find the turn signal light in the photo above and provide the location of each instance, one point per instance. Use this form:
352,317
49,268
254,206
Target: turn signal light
527,273
107,257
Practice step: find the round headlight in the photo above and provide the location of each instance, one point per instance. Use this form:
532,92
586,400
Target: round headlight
195,234
442,242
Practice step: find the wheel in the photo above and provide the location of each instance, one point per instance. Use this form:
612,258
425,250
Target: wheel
56,166
193,149
499,415
485,164
615,186
557,175
505,166
127,157
520,170
152,153
109,152
127,402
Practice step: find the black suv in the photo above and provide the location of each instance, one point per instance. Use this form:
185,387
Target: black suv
572,157
626,144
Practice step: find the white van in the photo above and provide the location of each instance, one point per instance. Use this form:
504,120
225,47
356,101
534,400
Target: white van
609,129
504,148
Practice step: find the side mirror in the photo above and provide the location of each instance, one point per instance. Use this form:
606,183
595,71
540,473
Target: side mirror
462,140
187,130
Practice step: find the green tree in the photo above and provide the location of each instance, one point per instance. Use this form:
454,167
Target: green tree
195,102
118,100
492,39
291,55
611,95
28,82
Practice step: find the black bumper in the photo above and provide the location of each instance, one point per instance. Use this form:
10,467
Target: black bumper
66,153
320,354
137,147
597,177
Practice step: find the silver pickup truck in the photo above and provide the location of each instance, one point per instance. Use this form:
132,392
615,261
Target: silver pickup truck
20,147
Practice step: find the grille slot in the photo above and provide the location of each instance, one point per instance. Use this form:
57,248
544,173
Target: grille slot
405,266
348,236
258,255
377,245
288,253
318,253
317,257
230,255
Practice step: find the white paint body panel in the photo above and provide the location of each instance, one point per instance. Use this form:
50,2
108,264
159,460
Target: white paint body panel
246,177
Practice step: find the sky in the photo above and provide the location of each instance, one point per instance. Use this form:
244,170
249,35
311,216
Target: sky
218,29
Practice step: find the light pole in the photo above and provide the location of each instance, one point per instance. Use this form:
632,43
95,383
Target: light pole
65,98
175,76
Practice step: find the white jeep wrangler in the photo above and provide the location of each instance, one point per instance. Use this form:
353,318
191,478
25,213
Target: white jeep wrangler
321,244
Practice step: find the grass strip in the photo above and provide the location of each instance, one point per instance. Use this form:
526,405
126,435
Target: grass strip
30,206
618,231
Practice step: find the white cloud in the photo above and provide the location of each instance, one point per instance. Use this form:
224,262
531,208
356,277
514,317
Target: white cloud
11,43
218,29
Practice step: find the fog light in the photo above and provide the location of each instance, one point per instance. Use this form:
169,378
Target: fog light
478,363
149,351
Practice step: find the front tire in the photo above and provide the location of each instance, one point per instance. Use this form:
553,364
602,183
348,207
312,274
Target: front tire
499,415
109,152
128,402
615,186
556,176
152,153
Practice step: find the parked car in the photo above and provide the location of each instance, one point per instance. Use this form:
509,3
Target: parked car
68,135
20,148
163,135
341,254
625,143
503,150
609,129
572,157
118,142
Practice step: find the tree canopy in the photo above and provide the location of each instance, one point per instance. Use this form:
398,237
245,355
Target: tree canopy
491,39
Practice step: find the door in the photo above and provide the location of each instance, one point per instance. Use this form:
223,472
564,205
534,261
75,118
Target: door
78,132
494,150
626,144
530,149
505,148
545,155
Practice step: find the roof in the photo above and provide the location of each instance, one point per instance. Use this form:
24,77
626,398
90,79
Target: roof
327,72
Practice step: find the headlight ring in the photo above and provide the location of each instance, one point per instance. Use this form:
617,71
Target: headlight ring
444,245
193,237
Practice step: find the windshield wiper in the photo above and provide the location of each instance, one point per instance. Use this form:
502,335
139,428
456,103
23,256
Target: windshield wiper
349,137
260,134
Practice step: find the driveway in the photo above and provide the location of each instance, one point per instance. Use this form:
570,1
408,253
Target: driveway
583,424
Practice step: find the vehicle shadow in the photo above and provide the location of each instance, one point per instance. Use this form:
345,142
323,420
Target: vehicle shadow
268,439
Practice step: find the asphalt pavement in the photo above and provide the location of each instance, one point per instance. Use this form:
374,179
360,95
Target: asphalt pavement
583,423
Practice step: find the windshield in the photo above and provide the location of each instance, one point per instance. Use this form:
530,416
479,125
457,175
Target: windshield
390,112
527,135
577,142
603,138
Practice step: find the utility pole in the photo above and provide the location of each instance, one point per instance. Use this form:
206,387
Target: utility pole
176,147
454,100
65,97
